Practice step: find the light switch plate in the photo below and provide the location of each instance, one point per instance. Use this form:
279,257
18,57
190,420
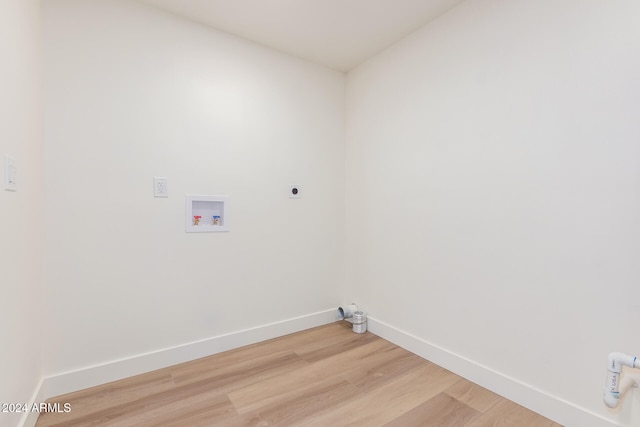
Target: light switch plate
10,174
160,186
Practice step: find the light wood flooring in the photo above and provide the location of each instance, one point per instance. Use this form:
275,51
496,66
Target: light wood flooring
326,376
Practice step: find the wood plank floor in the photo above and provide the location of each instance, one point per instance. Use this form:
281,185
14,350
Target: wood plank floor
326,376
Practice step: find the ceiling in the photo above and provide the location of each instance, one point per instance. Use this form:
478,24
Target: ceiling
339,34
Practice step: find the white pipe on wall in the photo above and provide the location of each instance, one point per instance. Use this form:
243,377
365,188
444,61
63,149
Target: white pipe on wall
614,389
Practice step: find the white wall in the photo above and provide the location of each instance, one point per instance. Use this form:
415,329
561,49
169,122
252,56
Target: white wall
493,187
132,92
21,212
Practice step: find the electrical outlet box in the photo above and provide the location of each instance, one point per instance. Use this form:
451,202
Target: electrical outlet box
160,186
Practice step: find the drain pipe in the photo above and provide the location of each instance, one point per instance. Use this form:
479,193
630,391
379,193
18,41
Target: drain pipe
347,311
614,389
352,314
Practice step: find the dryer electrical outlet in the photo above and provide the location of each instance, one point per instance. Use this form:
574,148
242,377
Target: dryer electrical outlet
295,192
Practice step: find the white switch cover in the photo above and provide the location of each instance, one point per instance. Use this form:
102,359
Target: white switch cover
10,174
160,186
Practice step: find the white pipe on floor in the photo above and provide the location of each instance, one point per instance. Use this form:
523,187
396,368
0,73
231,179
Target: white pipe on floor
614,389
347,311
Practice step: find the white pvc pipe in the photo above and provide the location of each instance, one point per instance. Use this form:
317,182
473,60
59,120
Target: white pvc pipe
614,389
347,311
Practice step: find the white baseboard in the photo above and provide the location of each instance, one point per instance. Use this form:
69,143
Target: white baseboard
80,379
29,419
550,406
